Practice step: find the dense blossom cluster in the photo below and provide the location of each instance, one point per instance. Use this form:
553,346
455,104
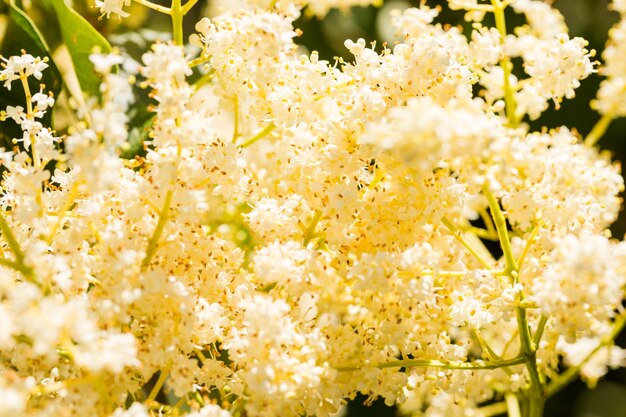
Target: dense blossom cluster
301,231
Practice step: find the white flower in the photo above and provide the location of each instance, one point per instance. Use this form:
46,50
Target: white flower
210,410
112,352
595,368
14,402
135,410
21,66
546,21
582,281
113,6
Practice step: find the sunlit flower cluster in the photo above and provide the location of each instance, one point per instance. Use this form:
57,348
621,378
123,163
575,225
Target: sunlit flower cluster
296,232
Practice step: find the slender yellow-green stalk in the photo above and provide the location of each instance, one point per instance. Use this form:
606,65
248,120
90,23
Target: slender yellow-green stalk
535,393
266,131
154,6
599,129
19,264
512,405
177,21
459,236
505,63
434,363
153,243
159,383
309,232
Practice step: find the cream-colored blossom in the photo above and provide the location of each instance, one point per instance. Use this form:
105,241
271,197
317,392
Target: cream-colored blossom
608,357
108,7
610,99
295,224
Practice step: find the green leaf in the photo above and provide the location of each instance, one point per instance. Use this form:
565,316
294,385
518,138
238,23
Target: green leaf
81,40
139,128
22,34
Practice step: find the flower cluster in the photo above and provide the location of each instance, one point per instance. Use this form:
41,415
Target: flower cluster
298,232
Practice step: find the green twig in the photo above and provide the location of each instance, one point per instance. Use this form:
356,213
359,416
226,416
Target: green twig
159,383
235,118
488,350
512,405
529,242
599,129
308,233
153,243
527,347
188,6
494,409
177,22
505,62
19,264
459,236
266,131
154,6
434,363
543,320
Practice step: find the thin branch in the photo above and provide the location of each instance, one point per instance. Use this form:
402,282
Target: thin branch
599,129
154,6
434,363
188,6
266,131
459,236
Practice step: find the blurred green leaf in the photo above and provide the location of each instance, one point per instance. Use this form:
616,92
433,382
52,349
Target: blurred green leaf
607,400
81,40
139,129
22,34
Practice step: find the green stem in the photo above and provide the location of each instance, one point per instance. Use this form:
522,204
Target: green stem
494,409
266,131
308,233
599,129
491,228
528,349
154,239
159,383
540,328
188,6
33,139
459,236
19,264
177,21
202,59
31,116
503,234
512,405
181,401
529,242
235,118
70,199
198,398
488,350
434,363
505,62
16,266
153,6
202,81
153,243
481,233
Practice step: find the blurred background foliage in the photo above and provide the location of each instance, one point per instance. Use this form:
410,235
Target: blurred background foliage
590,19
